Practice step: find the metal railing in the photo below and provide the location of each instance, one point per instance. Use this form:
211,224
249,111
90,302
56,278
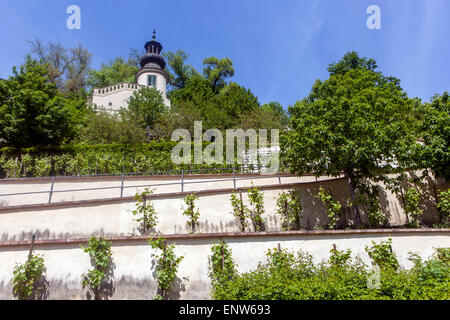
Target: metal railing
256,174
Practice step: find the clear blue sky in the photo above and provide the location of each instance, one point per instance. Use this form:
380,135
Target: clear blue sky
279,48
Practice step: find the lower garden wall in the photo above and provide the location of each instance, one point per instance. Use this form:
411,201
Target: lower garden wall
133,270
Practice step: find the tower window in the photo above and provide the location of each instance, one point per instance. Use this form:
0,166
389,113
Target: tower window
151,80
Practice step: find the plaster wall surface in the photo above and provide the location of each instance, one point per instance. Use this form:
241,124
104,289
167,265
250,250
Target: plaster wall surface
115,218
133,264
132,185
113,100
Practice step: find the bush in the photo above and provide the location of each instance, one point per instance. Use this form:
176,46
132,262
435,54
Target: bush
334,208
412,198
27,277
76,160
99,250
444,206
285,276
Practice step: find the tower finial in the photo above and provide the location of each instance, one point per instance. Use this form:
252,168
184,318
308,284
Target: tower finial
154,34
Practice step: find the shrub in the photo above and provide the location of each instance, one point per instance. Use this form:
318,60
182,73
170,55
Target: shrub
412,198
145,211
444,206
288,277
27,277
166,266
190,211
221,264
290,209
334,208
99,250
240,212
382,255
256,198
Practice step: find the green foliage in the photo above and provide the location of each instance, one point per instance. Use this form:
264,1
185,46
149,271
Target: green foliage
444,206
145,211
288,277
221,264
290,209
338,258
280,258
112,73
351,61
99,250
369,198
334,208
74,160
240,212
382,255
166,266
32,110
179,72
190,211
443,254
356,122
145,107
256,198
435,132
412,210
217,70
103,127
28,276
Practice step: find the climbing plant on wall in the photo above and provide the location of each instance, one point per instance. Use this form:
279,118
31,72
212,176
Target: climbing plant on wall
221,264
444,207
27,277
334,208
240,211
190,211
256,198
290,209
145,212
412,210
99,250
166,266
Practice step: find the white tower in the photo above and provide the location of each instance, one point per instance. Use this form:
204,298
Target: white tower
152,73
152,69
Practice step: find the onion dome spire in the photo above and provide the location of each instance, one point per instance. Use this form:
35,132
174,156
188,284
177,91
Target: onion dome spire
152,58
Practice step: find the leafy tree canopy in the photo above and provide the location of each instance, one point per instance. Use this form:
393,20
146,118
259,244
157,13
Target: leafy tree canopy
67,67
118,70
178,71
435,132
358,122
217,70
351,61
146,106
32,110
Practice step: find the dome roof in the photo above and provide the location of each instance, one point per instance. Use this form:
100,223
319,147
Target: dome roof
152,57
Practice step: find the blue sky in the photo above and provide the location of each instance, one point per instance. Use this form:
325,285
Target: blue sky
279,48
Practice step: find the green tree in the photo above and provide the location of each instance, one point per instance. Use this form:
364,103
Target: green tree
179,72
118,70
435,132
358,122
217,70
102,127
146,106
68,68
32,110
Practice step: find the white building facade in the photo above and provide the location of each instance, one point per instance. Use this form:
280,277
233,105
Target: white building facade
151,74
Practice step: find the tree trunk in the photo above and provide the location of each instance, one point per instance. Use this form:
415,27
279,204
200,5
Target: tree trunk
355,207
